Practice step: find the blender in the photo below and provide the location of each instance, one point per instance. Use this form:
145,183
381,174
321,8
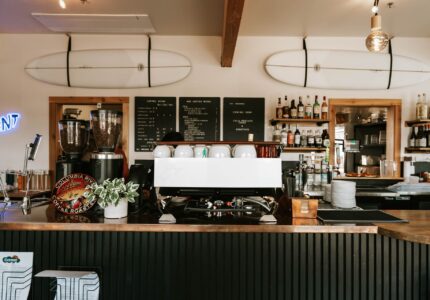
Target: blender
106,126
74,136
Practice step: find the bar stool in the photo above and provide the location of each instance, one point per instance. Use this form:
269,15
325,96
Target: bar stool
15,275
82,285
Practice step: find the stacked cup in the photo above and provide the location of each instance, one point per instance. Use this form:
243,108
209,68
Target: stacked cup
343,193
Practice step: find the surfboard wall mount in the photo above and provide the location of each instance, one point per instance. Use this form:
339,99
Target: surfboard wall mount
110,68
345,69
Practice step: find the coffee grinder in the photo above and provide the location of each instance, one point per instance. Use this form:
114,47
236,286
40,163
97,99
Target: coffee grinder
106,126
74,136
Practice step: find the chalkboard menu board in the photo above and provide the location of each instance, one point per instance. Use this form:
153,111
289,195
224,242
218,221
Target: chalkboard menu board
199,118
154,117
243,116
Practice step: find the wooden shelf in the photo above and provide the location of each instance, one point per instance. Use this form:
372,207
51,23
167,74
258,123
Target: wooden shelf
216,143
417,122
417,150
318,122
303,149
374,146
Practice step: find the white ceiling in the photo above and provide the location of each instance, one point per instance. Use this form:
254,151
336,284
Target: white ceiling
260,17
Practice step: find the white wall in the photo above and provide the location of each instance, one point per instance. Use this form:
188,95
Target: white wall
20,93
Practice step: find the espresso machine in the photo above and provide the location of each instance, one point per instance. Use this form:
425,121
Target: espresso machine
218,191
74,135
106,128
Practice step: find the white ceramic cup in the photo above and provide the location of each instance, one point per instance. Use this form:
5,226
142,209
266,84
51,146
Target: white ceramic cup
244,151
219,151
200,151
183,151
161,151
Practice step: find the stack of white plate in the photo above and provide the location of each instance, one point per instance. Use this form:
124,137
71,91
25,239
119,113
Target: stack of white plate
343,193
327,192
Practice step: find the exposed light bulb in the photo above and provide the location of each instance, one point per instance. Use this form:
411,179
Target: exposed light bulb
377,40
375,9
62,4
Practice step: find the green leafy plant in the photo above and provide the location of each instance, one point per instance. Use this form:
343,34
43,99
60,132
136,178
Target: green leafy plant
111,191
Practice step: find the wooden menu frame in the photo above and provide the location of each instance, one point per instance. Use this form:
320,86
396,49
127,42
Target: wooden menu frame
394,115
55,115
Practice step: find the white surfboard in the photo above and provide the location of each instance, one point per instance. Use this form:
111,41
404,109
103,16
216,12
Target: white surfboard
117,68
340,69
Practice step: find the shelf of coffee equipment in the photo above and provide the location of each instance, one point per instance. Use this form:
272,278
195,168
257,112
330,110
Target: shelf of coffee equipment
417,122
215,143
417,150
303,149
318,122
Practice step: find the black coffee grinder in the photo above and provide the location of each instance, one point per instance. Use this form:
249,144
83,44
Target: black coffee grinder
74,136
106,126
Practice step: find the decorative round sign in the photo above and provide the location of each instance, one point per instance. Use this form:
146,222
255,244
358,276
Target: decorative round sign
68,195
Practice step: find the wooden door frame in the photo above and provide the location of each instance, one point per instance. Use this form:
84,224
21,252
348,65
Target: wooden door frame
55,115
393,128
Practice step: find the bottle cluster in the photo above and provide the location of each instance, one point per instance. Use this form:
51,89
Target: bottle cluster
420,136
300,110
317,171
300,139
422,109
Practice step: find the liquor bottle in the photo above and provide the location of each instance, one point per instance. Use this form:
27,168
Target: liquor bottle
412,138
324,109
326,139
311,139
418,107
308,108
279,110
424,108
290,142
300,109
303,139
293,109
276,134
284,136
316,108
428,135
297,137
318,139
421,139
286,109
324,172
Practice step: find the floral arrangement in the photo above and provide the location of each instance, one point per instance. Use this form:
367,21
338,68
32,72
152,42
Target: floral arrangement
111,191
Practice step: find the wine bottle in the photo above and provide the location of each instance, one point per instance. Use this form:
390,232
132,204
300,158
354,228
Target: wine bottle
324,109
316,108
279,110
297,137
300,109
418,108
293,109
290,142
286,109
424,108
412,138
311,139
284,136
308,108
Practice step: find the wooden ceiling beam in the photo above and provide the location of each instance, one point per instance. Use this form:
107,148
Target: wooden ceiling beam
232,15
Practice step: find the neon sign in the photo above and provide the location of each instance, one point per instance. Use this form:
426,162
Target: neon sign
9,122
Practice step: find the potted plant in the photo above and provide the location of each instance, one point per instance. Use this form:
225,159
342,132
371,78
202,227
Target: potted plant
113,195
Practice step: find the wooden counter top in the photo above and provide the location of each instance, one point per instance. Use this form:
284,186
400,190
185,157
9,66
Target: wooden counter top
45,218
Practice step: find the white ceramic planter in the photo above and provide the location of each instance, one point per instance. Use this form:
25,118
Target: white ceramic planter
115,212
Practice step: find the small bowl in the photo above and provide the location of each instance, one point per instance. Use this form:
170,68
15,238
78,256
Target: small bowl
183,151
161,151
219,151
244,151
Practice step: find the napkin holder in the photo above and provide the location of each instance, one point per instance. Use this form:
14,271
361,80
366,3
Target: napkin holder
304,208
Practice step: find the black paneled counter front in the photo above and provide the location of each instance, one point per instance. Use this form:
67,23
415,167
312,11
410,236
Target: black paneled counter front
140,259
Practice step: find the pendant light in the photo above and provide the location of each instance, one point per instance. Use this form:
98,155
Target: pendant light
377,40
62,4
